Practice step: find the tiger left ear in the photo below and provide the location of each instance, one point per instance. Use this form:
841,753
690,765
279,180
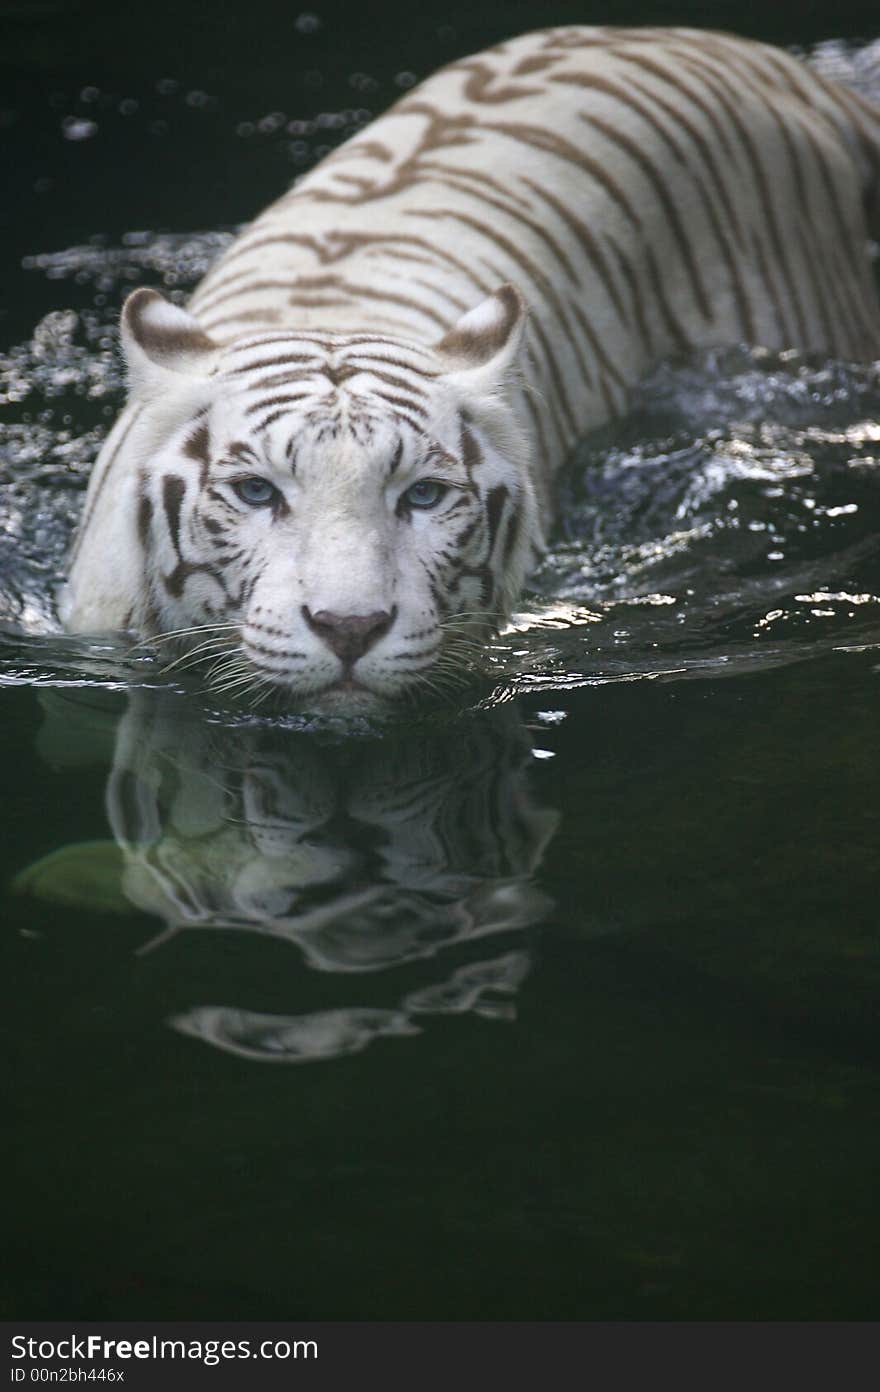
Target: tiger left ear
484,343
162,343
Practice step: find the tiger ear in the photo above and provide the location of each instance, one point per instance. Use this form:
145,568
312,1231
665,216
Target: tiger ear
484,343
161,343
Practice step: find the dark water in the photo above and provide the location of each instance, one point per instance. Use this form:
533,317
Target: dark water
561,1005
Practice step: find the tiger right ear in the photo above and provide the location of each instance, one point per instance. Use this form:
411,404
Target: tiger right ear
162,343
485,341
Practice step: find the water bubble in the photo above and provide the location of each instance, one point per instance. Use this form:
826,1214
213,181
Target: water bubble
54,333
307,24
77,128
363,82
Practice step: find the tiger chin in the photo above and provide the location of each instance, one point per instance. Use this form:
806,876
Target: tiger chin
333,521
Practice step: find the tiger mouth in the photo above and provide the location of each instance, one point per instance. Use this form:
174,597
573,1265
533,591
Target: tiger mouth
347,688
346,685
345,694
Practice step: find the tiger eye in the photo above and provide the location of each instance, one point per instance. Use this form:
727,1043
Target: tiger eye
425,494
256,492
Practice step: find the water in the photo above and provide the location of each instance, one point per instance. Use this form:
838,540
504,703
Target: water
560,1004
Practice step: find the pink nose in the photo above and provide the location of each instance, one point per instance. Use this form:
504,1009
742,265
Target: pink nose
349,635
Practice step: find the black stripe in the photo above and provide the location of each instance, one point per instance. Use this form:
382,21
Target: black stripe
287,399
658,183
587,242
495,500
714,81
144,518
173,492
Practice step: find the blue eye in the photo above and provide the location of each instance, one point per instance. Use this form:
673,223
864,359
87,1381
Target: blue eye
256,492
427,493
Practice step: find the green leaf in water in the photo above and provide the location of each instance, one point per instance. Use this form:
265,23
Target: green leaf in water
87,874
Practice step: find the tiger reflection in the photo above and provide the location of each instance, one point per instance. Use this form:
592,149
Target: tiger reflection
365,853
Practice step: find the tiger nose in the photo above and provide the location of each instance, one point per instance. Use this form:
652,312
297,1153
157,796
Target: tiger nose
349,635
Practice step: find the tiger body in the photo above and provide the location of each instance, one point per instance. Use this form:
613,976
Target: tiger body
633,193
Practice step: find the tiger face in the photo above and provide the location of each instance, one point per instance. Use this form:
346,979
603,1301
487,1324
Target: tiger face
342,517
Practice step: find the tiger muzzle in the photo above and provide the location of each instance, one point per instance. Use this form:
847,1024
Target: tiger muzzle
349,636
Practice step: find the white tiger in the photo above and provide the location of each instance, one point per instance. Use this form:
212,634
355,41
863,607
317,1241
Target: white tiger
334,471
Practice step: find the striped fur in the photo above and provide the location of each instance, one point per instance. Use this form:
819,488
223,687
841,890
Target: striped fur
641,192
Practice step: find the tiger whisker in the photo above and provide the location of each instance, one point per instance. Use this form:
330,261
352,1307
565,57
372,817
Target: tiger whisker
222,670
238,676
196,628
198,660
228,678
193,656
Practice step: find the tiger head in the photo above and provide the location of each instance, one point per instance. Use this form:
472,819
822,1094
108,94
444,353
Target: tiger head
340,516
